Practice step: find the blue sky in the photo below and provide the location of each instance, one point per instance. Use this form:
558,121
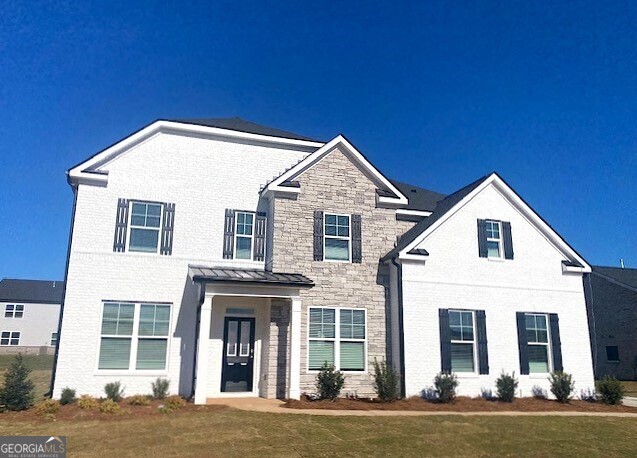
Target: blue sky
434,93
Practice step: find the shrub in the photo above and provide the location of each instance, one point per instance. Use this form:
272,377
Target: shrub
446,385
47,407
610,390
138,400
329,382
160,388
385,381
175,402
562,386
538,392
67,396
505,387
87,402
109,406
17,392
114,391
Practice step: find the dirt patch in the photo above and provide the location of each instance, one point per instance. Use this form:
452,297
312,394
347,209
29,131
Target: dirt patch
461,404
71,412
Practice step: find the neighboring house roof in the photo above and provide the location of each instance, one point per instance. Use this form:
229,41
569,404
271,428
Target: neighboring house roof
225,275
33,291
242,125
419,198
622,276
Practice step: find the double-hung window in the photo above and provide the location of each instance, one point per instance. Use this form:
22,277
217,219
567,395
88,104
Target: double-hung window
537,336
462,341
9,338
337,237
14,311
54,339
244,234
145,223
134,336
494,239
337,337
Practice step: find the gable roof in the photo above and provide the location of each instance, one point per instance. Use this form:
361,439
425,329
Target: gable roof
455,201
388,192
33,291
623,276
419,198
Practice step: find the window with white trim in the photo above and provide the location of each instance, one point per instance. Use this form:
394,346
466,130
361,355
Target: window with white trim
14,311
337,237
494,239
243,235
463,341
54,339
9,338
145,223
537,337
337,337
134,336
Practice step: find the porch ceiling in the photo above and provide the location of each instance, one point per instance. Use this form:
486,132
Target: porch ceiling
224,275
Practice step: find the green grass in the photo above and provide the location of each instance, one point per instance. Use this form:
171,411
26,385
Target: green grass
236,433
40,375
631,387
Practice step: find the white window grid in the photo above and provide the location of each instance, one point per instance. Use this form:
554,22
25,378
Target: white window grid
462,340
493,231
132,226
243,235
338,237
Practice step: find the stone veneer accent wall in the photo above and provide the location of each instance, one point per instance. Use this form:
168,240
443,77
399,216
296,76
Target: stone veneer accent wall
335,184
278,368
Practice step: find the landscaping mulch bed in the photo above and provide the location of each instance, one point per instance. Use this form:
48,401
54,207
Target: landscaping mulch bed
461,404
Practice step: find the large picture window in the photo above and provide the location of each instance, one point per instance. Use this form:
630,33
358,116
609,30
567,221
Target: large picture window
462,341
337,237
337,337
537,336
145,222
134,336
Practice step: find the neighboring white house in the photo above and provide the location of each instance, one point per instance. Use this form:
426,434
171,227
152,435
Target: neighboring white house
29,315
235,259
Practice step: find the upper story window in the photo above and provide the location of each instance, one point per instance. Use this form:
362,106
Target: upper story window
14,311
337,237
462,341
145,223
244,233
537,337
494,240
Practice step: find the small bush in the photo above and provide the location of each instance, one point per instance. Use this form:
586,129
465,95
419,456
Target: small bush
138,400
87,402
562,386
610,390
385,381
114,391
505,387
67,396
486,393
160,388
175,402
329,382
47,407
445,385
538,392
17,392
109,406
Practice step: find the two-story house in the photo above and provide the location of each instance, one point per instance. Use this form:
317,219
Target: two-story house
236,259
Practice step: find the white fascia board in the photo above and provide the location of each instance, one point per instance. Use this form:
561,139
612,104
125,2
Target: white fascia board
574,269
317,155
402,211
552,236
78,174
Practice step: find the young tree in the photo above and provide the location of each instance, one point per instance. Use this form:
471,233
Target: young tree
17,392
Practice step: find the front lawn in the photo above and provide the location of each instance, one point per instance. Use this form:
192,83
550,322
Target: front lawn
631,388
207,431
41,366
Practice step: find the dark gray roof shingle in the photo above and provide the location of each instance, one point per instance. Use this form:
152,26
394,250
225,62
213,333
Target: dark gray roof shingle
621,275
33,291
224,274
419,198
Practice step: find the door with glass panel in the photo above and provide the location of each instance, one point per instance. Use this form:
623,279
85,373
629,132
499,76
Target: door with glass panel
238,355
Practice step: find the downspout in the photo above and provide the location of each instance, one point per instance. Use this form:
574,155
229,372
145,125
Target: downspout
590,306
401,333
202,296
66,282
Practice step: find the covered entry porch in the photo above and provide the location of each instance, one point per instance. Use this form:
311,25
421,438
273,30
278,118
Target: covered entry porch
248,333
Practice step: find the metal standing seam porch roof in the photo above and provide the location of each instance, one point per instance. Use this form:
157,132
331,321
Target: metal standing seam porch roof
227,275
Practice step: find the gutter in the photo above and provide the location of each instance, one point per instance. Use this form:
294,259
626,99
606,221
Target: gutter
401,333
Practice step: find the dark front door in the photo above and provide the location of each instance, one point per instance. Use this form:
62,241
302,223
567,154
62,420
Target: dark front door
238,354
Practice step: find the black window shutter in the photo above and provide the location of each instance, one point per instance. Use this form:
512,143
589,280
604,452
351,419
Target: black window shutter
259,237
507,239
318,235
167,229
482,238
228,234
483,349
357,248
121,223
556,344
445,341
522,343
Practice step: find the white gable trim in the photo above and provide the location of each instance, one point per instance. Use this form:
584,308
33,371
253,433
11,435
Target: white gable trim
494,180
81,173
315,157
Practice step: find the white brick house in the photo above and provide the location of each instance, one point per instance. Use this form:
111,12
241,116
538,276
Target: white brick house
235,259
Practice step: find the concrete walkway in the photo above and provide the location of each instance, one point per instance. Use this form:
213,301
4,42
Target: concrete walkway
630,401
276,406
